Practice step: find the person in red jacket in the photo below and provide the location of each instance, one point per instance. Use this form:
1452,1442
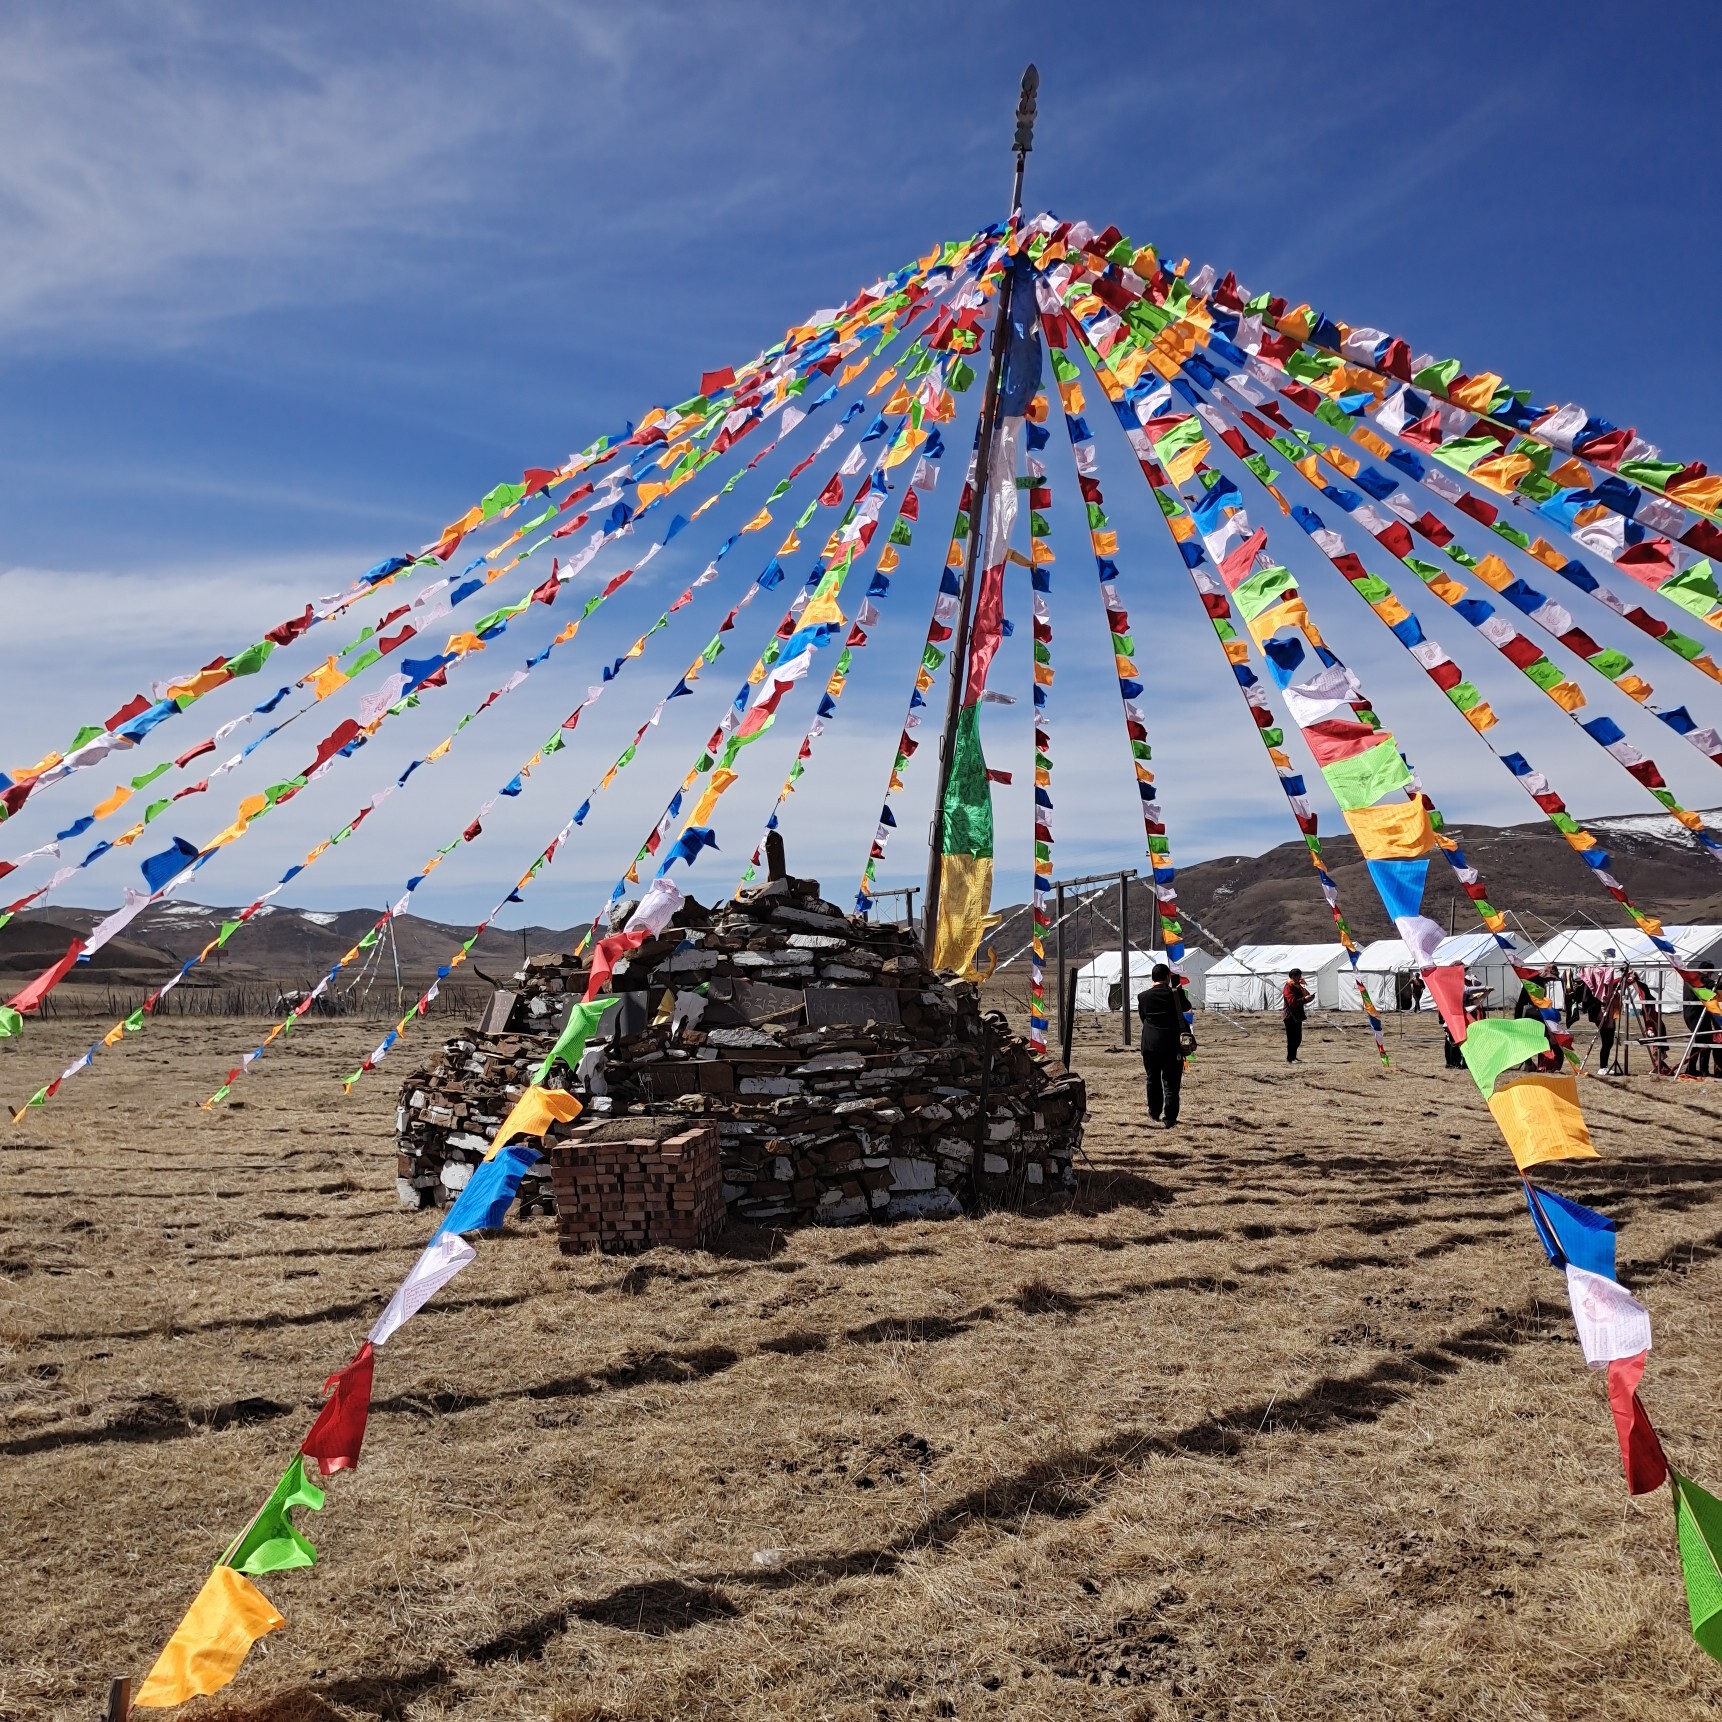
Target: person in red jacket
1295,1000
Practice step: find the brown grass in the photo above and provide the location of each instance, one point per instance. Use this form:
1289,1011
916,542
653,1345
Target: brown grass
1282,1417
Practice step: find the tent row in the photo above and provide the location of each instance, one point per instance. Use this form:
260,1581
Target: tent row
1250,978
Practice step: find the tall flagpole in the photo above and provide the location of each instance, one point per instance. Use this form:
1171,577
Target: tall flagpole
1024,142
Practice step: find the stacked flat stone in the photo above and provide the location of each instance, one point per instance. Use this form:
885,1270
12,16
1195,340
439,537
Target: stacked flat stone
845,1080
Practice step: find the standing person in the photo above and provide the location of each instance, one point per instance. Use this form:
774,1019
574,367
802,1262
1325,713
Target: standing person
1295,1000
1698,1061
1166,1041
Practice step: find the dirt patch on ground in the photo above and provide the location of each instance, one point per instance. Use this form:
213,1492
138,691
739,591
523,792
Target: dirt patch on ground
1280,1416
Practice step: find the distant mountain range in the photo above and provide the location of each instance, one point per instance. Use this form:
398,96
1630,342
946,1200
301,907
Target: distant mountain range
1237,899
282,948
1533,877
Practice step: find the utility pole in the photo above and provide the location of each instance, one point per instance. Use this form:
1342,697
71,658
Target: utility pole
1024,142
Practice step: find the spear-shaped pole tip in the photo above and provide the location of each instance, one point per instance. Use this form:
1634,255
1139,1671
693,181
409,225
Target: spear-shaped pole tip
1025,110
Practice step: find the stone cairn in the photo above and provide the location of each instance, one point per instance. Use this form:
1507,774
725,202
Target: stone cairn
840,1079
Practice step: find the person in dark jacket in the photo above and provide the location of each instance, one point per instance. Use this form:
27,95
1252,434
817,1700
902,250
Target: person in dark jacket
1163,1008
1295,1000
1705,1058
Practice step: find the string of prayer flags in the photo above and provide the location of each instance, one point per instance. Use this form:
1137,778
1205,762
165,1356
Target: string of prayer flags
1042,677
1132,402
1392,833
768,577
922,481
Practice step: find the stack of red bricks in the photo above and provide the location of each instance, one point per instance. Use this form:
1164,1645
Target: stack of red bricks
633,1183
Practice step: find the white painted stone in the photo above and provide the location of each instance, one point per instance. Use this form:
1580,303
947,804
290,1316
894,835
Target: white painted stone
455,1175
995,1165
909,1174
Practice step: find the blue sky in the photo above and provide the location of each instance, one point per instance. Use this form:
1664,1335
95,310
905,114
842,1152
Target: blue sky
282,290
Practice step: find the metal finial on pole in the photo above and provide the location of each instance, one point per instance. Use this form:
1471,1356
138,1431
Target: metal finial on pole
1022,144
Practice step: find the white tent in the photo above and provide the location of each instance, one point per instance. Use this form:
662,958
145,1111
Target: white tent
1252,976
1096,981
1386,966
1697,947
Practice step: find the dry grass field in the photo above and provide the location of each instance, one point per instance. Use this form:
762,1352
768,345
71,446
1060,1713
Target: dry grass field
1280,1417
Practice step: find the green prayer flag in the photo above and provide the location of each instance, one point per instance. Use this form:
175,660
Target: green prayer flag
252,659
967,815
228,929
1493,1046
11,1022
364,662
503,496
1186,434
900,533
1463,452
1437,376
156,807
1367,777
89,732
271,1544
134,1022
1611,662
152,774
1698,1530
1261,590
571,1043
1693,589
778,489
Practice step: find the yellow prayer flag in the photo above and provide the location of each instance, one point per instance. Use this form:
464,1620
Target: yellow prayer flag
327,678
1182,466
965,896
884,380
113,803
225,1619
1130,366
1291,614
1541,1120
790,544
759,521
1476,394
1493,574
1547,554
1377,445
1071,394
899,401
1481,717
1183,528
851,372
1501,472
1391,611
1040,553
1702,494
1633,688
1105,543
439,750
460,644
1398,831
923,679
887,559
1569,696
533,1114
703,808
1343,462
1448,591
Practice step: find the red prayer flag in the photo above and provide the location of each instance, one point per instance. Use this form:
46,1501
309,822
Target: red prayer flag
712,381
334,1439
1640,1451
1447,987
44,983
